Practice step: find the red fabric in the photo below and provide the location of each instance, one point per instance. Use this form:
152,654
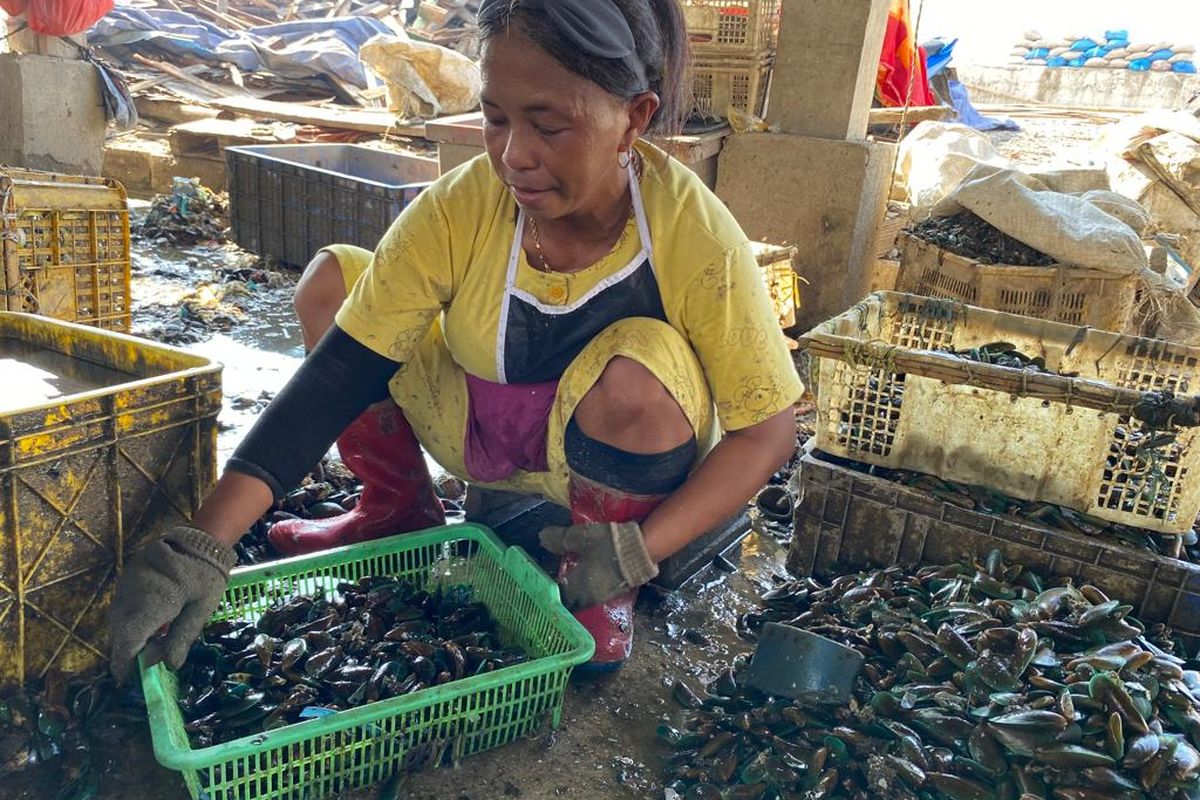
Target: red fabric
902,63
14,8
64,17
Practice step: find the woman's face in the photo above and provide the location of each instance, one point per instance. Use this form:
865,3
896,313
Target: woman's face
551,135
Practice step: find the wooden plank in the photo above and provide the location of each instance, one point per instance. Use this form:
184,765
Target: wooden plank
348,119
893,116
176,72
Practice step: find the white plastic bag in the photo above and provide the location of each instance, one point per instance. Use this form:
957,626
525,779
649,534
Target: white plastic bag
423,80
1067,228
934,158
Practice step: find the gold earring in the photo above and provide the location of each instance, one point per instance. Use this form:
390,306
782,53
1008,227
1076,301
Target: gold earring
624,158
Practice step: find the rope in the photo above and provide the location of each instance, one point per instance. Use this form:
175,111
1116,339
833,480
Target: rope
14,31
870,353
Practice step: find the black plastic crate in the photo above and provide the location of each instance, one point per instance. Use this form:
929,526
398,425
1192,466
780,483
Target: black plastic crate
848,520
287,201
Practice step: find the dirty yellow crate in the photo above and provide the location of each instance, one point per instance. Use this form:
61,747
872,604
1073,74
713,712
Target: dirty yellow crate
64,247
740,83
1072,295
783,284
718,28
104,440
889,392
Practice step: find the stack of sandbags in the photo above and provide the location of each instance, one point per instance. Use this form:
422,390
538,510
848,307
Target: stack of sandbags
1115,50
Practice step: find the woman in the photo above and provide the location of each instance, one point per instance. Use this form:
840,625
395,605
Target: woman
574,315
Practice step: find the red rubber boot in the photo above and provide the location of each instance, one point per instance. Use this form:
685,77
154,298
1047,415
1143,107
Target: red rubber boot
397,495
611,622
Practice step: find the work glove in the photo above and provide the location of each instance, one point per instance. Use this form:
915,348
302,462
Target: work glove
179,581
612,560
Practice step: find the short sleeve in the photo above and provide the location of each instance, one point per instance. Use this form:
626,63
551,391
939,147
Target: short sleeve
732,326
407,284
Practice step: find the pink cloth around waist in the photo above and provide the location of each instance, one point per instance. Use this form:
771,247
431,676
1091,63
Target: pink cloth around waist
506,428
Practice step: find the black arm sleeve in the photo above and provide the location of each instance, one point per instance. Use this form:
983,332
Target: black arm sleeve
336,383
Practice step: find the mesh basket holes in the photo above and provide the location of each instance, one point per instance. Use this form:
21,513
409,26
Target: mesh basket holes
868,420
1139,482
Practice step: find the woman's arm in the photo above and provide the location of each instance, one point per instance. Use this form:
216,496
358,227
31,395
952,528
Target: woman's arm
737,467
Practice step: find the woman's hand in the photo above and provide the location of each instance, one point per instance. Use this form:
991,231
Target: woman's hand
612,559
178,582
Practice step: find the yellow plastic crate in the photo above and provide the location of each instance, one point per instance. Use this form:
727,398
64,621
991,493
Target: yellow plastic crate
737,82
783,284
1068,294
718,28
64,247
88,477
889,393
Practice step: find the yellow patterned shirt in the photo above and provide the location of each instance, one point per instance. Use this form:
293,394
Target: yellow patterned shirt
449,251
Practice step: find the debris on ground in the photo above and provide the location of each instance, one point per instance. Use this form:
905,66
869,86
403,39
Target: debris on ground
216,305
52,730
209,308
191,214
968,235
253,404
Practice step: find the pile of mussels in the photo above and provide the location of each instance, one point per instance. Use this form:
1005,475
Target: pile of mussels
51,730
979,682
310,655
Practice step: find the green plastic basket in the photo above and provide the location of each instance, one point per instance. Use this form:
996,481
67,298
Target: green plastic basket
364,746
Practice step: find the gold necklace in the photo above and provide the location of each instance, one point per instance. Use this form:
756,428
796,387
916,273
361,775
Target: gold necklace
537,239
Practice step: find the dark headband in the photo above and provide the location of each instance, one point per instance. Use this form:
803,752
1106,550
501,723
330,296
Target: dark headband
596,26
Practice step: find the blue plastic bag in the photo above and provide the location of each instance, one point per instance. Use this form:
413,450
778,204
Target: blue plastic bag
1186,67
1161,55
1084,44
1077,62
1110,46
1095,52
1056,61
1140,64
1117,34
1037,52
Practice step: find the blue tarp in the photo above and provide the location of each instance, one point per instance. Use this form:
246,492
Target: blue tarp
968,115
300,49
938,53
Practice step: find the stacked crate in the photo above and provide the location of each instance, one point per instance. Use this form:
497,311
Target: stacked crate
733,50
64,247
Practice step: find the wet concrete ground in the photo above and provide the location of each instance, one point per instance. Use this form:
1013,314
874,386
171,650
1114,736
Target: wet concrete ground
606,746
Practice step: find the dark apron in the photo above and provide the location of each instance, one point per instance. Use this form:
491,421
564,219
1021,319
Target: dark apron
507,419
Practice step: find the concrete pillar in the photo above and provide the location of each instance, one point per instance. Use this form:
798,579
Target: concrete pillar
825,68
819,184
51,114
26,41
825,196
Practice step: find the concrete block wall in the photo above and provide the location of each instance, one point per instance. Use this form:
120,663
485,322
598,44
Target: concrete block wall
826,196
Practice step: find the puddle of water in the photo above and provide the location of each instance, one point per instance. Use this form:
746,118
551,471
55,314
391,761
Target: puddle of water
32,375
